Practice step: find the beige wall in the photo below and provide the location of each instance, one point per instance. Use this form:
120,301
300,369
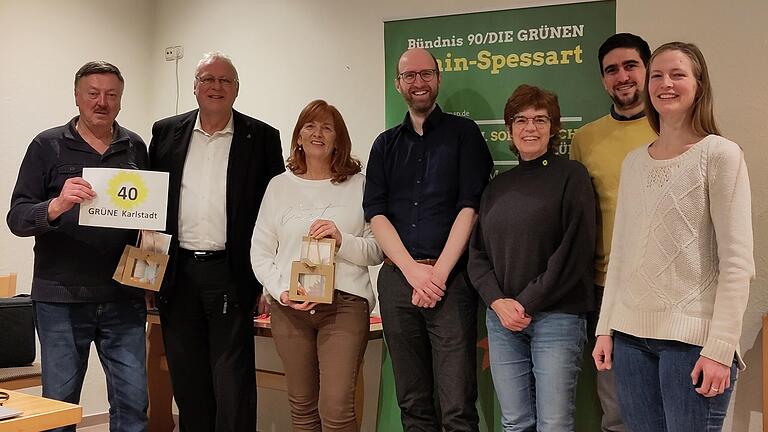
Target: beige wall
43,44
289,52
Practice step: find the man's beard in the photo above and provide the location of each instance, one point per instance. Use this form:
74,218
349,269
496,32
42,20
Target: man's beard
627,103
421,107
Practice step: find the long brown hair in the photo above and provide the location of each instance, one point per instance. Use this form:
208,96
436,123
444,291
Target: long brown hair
343,164
703,115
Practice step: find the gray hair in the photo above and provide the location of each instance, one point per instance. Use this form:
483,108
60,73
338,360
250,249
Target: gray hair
98,67
212,56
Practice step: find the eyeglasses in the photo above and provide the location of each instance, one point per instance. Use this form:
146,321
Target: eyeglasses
208,80
426,75
521,121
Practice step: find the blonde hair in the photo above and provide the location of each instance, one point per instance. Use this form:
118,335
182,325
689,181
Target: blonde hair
703,116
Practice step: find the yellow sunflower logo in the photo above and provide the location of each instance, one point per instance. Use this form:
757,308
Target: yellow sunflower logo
127,190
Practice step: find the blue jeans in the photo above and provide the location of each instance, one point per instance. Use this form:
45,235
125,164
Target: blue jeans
541,363
66,331
653,379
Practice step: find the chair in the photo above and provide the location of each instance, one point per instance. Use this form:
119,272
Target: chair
14,378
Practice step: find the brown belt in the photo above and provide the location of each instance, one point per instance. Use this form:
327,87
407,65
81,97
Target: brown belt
428,261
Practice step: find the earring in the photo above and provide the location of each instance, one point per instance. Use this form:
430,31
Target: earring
300,147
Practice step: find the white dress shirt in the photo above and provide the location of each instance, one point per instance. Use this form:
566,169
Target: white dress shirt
203,201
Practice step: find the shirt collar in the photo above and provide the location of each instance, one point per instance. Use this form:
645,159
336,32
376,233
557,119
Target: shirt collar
119,134
540,162
228,129
430,123
619,117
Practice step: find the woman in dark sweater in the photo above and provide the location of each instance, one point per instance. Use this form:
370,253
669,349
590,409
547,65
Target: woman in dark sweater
531,259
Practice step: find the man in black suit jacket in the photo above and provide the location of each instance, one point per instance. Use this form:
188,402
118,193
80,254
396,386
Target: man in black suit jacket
220,162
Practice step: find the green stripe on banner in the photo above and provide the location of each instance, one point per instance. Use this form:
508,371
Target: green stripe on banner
588,410
389,413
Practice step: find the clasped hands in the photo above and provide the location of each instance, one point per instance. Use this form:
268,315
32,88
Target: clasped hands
427,282
511,314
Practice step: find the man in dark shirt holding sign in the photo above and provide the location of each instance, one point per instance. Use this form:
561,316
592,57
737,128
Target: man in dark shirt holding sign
424,182
76,302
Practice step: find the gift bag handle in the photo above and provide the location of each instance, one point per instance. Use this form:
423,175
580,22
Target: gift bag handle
305,258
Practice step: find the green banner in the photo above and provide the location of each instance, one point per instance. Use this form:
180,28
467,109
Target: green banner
483,57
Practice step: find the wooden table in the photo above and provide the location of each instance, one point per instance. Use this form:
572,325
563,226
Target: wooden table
159,380
38,413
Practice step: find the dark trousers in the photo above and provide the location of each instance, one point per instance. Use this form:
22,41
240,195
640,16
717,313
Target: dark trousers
209,344
432,348
606,383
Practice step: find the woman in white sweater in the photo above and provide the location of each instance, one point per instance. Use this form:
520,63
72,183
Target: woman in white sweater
681,259
321,194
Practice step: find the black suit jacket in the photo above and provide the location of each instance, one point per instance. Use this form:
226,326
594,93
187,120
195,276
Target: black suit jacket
254,158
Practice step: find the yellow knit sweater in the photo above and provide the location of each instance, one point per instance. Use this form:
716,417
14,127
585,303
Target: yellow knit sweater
601,146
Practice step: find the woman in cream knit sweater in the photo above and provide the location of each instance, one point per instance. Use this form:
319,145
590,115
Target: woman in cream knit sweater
681,259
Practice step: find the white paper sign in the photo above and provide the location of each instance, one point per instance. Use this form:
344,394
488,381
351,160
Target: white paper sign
125,199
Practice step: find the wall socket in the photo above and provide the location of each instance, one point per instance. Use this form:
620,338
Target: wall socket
174,53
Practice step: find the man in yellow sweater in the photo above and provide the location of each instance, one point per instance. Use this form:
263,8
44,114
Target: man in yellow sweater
601,147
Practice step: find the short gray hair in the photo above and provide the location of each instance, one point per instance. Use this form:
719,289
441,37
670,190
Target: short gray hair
212,56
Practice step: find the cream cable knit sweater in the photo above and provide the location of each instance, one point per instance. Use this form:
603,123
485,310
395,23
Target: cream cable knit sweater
681,256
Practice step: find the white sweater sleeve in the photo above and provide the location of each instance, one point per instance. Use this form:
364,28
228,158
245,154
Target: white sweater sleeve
264,245
730,209
360,249
363,250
